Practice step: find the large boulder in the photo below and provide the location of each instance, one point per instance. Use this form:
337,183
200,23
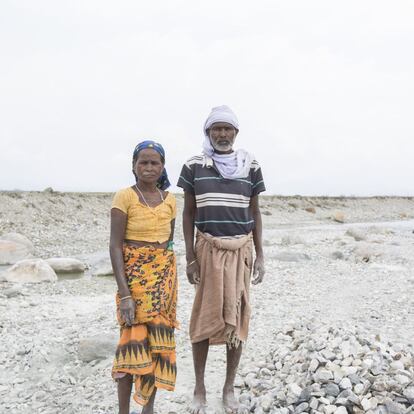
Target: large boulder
18,238
338,216
357,234
30,271
97,347
66,265
11,252
103,268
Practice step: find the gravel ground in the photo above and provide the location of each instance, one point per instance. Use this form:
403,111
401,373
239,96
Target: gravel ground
357,274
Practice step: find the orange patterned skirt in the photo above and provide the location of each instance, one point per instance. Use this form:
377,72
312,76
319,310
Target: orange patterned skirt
146,349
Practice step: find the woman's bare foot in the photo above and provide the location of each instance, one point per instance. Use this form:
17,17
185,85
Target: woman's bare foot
199,404
230,402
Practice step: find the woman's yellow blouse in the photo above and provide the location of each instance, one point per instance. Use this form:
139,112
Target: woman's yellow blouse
145,223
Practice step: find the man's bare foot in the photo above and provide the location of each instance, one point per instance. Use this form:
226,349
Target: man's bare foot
199,404
230,402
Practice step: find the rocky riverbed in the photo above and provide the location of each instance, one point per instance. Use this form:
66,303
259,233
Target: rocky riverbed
332,328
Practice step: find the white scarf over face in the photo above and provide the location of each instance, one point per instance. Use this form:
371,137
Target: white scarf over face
233,165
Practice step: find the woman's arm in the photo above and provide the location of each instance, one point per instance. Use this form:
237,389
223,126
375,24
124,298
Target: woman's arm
118,226
258,267
172,230
193,272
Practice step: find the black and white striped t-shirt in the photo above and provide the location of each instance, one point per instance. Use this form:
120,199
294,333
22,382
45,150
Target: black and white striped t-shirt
222,204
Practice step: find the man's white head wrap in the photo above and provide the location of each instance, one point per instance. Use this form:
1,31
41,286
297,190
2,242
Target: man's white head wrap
221,114
235,164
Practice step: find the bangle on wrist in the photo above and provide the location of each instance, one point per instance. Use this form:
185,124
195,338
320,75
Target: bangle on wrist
126,297
192,262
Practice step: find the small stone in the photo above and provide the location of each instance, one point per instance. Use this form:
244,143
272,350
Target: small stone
301,407
329,409
354,379
409,394
374,403
349,370
244,399
341,410
394,408
329,355
266,402
367,363
332,390
295,389
314,364
313,403
402,379
306,394
281,396
347,362
381,409
356,362
379,385
366,404
345,384
349,396
265,372
323,375
396,365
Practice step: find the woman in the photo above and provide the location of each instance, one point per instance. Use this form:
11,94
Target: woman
142,229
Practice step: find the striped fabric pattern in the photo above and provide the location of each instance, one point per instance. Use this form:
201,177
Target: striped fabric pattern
222,204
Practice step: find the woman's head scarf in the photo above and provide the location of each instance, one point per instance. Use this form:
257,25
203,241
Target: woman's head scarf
163,183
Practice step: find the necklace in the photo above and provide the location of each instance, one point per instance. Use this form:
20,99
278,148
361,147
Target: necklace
142,195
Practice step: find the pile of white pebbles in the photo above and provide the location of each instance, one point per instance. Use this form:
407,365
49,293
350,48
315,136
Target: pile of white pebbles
318,369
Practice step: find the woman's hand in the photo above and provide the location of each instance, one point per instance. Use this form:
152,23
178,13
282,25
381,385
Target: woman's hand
193,272
258,270
127,310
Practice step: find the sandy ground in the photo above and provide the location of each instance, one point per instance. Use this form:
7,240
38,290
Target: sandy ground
356,273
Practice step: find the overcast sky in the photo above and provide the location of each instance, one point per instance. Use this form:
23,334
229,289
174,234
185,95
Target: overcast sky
324,90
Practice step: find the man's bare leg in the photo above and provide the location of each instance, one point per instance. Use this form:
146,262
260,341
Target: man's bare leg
124,393
200,352
233,358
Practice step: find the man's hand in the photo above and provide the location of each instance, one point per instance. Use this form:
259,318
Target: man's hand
258,270
127,310
193,272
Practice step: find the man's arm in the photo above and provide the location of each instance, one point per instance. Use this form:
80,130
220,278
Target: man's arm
258,267
193,273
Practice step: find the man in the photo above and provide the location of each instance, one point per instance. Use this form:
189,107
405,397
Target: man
221,189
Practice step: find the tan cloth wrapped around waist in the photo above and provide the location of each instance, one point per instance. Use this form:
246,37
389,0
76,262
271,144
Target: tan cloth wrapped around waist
221,309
